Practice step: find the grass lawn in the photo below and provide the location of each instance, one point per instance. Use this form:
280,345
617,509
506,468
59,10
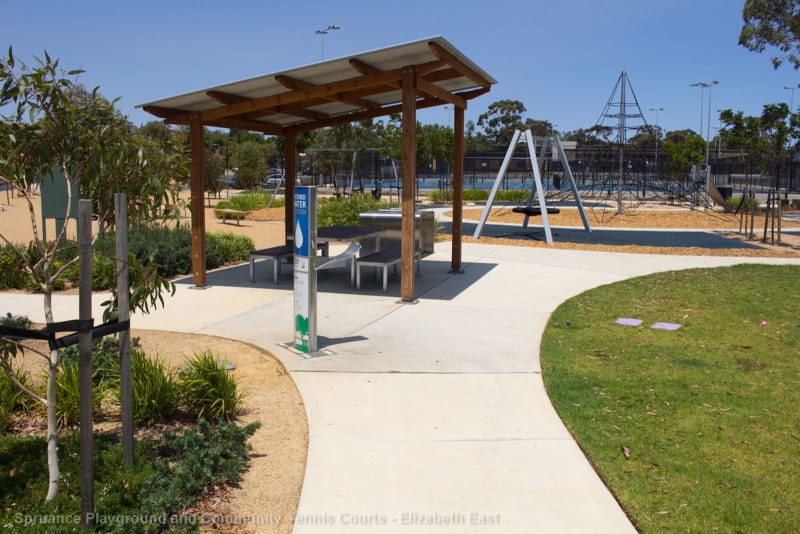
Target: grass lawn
695,429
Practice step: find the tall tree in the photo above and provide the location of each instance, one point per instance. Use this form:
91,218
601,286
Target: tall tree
213,166
47,121
773,23
683,149
504,116
251,159
764,139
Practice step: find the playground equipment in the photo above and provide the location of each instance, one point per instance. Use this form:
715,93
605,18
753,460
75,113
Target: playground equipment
537,192
624,111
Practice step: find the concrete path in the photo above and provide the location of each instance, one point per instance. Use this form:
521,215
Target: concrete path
427,417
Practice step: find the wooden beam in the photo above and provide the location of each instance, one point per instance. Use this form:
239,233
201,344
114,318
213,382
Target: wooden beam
363,115
362,67
433,90
457,64
442,75
458,188
163,113
251,126
296,84
225,98
408,214
197,208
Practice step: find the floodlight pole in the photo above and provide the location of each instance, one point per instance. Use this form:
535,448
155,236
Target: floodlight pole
322,33
788,88
703,86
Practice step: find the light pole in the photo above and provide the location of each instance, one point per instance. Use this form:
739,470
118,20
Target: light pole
791,106
708,123
322,33
655,134
703,86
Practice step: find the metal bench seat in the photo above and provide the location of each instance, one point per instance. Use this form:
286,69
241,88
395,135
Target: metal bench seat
276,254
382,260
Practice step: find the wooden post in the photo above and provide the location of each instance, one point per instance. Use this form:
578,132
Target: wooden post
458,188
85,361
409,149
290,180
123,314
196,135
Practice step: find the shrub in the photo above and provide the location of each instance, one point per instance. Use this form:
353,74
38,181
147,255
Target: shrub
234,247
188,463
481,195
68,394
156,395
345,211
251,201
12,398
167,478
16,322
741,203
209,390
105,358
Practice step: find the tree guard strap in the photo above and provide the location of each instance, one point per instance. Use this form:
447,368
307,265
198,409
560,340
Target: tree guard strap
76,326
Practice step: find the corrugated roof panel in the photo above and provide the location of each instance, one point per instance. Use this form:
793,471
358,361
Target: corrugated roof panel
327,72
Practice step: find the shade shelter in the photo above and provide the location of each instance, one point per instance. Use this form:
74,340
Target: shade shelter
398,79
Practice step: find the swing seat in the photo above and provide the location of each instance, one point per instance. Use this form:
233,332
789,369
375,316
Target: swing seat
534,210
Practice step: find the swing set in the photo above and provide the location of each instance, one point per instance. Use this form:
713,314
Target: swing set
536,204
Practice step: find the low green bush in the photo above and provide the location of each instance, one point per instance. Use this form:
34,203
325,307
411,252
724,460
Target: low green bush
68,395
481,195
189,463
105,357
234,247
169,476
156,396
12,398
209,390
741,203
345,211
251,201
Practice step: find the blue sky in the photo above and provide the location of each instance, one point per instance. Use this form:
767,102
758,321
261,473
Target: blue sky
561,59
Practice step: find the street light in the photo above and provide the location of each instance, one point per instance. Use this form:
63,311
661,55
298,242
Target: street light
708,122
656,134
322,33
719,134
702,86
791,106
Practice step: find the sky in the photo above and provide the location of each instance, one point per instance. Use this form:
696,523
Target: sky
561,59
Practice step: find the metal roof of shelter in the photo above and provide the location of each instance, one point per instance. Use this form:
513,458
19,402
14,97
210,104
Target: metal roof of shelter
335,91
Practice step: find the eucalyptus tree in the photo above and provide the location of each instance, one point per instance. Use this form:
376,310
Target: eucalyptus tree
47,122
504,116
774,23
251,159
682,149
764,139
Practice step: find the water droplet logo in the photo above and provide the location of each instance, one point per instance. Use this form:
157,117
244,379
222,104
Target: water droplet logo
298,236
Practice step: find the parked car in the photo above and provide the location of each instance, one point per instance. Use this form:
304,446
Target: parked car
273,179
